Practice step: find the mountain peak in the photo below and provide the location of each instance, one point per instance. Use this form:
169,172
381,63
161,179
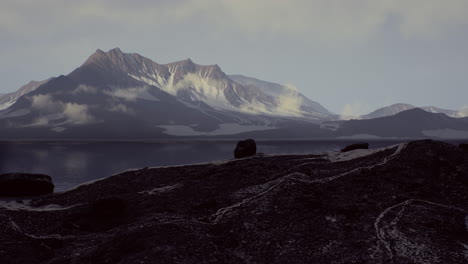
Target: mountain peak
187,61
98,55
116,50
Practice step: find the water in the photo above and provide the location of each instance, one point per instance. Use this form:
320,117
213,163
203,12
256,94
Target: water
73,163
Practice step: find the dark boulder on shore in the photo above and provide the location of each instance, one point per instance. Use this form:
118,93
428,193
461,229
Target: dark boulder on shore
25,184
355,146
402,204
245,148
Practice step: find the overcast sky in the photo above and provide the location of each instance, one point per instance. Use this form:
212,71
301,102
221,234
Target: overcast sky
351,56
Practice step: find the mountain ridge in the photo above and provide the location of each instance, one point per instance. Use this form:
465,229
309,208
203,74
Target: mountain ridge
399,107
125,95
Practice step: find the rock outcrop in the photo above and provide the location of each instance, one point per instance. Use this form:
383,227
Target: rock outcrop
25,184
245,148
402,204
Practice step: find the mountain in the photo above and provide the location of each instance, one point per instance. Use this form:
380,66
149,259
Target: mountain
388,111
413,123
116,95
397,108
208,84
120,95
6,100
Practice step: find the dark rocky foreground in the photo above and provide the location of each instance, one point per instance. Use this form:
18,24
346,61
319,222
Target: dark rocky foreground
404,204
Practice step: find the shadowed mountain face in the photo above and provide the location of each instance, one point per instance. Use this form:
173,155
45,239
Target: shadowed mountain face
115,94
402,204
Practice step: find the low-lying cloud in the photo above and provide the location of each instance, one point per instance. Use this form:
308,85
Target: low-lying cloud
51,110
463,112
85,89
132,94
351,111
121,108
318,18
290,101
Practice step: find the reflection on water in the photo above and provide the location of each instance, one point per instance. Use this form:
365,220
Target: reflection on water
72,163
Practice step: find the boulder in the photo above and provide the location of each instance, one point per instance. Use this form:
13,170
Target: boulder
245,148
355,146
463,146
25,184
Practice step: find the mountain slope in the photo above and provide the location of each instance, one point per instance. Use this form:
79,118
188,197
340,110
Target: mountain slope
433,109
415,123
388,111
397,108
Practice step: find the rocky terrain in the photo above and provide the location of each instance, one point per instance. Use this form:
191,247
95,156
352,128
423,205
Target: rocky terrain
403,204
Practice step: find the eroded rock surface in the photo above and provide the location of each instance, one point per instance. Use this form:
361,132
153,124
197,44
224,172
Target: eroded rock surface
402,204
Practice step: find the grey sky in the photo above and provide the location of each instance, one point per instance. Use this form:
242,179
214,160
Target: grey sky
352,56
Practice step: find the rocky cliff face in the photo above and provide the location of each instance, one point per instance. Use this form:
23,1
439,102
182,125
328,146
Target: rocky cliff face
403,204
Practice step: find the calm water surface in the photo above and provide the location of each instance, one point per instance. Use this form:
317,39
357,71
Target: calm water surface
73,163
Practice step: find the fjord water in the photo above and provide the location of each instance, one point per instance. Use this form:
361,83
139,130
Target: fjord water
73,163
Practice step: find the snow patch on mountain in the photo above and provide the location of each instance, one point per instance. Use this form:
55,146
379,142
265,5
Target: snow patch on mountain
202,89
224,129
7,104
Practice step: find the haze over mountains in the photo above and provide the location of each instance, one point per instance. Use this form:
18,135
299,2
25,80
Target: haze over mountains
125,95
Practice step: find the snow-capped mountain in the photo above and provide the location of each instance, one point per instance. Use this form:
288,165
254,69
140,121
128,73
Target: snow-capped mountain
114,94
397,108
209,84
6,100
